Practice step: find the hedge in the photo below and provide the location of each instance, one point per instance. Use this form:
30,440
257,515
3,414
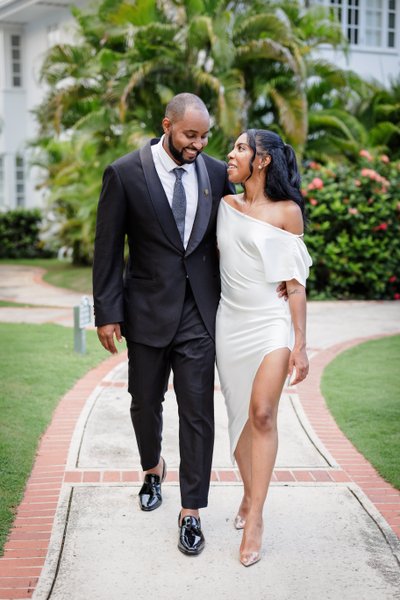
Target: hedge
20,234
353,228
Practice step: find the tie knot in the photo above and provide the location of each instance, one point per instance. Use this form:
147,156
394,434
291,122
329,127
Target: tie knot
178,172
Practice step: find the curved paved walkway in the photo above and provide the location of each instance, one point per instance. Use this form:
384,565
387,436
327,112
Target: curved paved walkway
331,521
46,303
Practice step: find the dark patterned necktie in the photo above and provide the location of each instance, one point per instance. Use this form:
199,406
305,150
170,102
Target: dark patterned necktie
179,202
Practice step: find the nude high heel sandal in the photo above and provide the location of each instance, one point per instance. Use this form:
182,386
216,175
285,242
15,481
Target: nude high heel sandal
250,558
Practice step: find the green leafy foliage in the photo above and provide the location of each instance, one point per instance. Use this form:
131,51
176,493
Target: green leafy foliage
20,234
254,63
354,227
107,92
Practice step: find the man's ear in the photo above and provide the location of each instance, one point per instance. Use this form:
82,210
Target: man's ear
166,124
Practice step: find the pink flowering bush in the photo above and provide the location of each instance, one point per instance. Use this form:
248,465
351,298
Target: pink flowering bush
316,184
353,231
366,154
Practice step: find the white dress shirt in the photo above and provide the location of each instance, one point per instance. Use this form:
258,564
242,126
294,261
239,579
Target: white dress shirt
164,166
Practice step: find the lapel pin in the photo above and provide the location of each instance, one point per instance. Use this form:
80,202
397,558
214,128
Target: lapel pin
206,192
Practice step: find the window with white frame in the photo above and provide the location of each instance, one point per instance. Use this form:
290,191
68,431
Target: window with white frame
19,181
347,13
2,181
369,23
391,29
16,60
374,23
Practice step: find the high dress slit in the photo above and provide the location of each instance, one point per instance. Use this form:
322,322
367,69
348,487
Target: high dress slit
252,320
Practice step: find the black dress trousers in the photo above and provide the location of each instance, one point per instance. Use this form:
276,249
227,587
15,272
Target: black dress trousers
191,356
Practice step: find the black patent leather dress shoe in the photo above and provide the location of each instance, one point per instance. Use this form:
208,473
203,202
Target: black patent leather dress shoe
191,538
150,496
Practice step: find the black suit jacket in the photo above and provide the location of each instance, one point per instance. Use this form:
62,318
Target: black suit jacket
147,297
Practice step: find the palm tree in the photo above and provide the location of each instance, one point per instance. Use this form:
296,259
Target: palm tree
251,62
379,113
276,43
107,94
347,115
335,132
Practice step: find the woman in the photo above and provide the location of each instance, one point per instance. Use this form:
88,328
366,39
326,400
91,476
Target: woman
260,337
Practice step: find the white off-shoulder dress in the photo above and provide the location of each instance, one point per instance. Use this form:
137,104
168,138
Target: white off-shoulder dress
251,319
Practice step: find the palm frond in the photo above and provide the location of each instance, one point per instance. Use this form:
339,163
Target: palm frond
382,133
264,25
266,49
325,121
140,13
292,111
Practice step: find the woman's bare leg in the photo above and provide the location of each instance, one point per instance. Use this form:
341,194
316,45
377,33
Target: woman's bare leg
263,412
243,460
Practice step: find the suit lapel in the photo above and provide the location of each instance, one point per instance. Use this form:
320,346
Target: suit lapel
204,205
158,197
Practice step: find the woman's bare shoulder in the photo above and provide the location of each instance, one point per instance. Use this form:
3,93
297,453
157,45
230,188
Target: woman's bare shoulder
292,217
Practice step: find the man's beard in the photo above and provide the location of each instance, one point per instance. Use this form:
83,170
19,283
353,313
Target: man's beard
178,155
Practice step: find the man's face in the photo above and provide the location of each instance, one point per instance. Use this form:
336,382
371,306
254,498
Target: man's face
186,138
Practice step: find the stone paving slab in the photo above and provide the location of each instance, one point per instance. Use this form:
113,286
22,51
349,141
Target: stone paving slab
108,441
320,542
330,323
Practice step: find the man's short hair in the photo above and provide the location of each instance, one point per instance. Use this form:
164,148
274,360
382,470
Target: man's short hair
179,104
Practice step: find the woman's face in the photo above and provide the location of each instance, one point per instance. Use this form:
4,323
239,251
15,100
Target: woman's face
239,159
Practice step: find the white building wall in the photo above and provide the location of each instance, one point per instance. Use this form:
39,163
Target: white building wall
17,122
372,64
37,43
13,114
374,53
38,40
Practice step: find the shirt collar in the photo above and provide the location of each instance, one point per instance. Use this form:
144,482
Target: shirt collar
167,162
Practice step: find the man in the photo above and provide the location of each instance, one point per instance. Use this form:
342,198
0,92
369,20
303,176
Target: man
164,198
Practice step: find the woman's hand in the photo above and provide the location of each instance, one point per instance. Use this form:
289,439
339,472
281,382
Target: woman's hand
282,290
298,361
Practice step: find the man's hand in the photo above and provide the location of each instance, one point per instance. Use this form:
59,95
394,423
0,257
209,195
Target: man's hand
106,334
282,290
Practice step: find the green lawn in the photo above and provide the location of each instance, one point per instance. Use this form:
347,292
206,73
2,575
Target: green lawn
8,304
37,366
361,387
60,273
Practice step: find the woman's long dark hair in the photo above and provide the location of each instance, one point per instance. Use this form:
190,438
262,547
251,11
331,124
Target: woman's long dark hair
283,178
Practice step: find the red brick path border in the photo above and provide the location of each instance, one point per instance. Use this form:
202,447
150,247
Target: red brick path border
353,464
27,545
26,548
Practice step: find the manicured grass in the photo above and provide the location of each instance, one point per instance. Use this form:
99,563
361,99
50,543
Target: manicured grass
37,366
361,387
60,273
6,303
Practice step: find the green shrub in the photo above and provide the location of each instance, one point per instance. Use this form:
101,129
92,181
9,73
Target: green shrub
20,234
353,229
